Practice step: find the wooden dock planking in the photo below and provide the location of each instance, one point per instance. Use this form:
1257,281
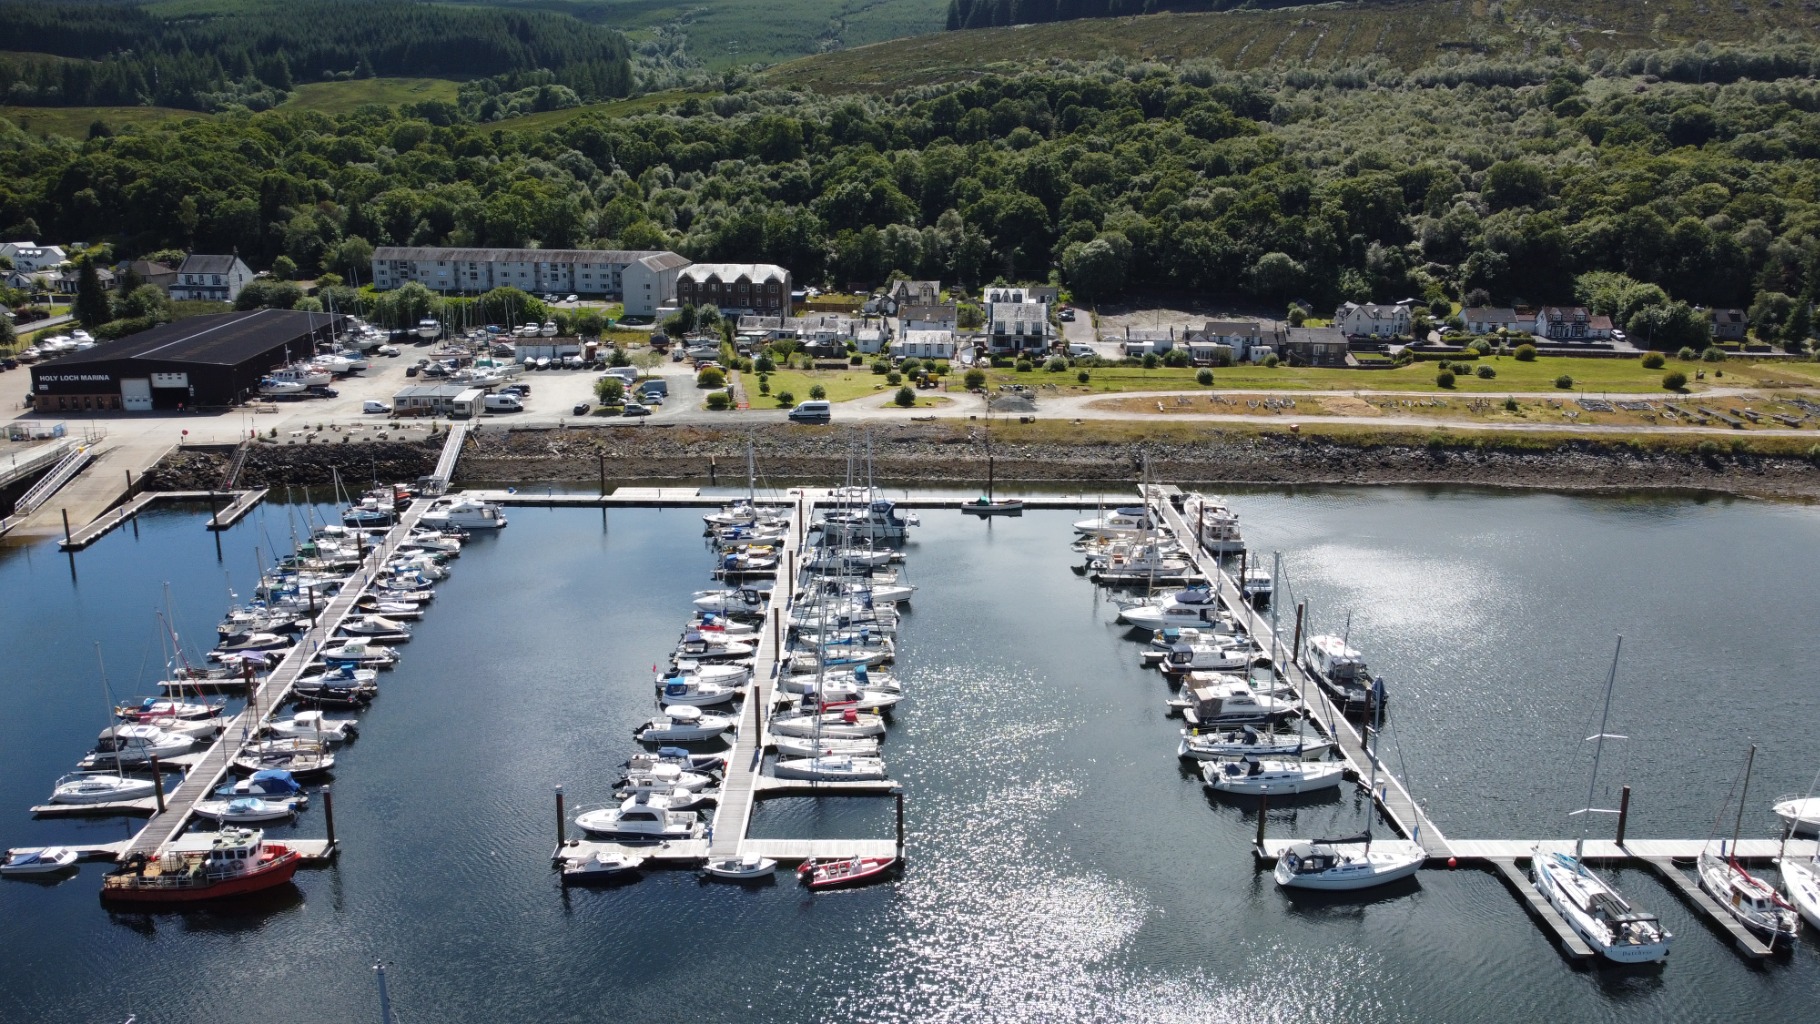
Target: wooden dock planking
1398,805
795,851
1572,945
674,853
111,809
244,502
768,786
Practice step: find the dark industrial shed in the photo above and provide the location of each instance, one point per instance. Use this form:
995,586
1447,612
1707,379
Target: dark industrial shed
214,360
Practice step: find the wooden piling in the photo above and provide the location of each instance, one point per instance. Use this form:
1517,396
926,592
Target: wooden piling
158,785
1623,814
602,457
562,822
900,826
66,527
1295,646
328,813
713,471
1263,806
129,483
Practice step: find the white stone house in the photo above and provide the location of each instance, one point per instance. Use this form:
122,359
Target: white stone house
1371,320
211,278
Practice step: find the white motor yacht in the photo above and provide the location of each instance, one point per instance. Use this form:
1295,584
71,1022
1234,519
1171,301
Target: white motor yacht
749,600
1253,776
831,768
877,521
466,514
359,652
246,810
136,744
1344,865
1185,657
100,788
730,674
1117,523
1213,700
1802,814
691,690
1195,607
665,775
684,723
429,329
1217,525
38,860
640,818
312,726
700,646
600,867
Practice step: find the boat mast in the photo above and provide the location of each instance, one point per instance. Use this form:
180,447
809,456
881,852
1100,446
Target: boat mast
1738,822
107,696
1592,787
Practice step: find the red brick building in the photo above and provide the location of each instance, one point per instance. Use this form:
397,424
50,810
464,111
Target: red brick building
735,287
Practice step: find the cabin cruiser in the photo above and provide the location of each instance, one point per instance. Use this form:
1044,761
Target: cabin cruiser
1340,670
729,674
1252,776
1175,612
1258,585
683,723
311,726
466,514
429,329
377,628
745,868
369,512
38,860
753,559
1344,865
686,760
1801,814
1183,658
641,818
271,784
1117,523
246,810
691,690
100,788
878,521
600,867
700,646
359,652
747,600
667,774
1215,700
1216,524
136,744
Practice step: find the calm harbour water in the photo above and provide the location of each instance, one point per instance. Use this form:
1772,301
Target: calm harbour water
1063,866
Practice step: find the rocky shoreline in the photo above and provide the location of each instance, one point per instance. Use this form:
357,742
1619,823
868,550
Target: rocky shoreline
954,453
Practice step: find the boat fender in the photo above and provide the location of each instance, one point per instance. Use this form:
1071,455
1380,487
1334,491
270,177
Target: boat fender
1293,861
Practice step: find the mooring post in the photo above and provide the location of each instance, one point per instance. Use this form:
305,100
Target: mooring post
602,456
1623,813
66,527
562,823
129,483
214,510
712,471
328,813
1263,805
1244,598
1295,646
900,826
158,785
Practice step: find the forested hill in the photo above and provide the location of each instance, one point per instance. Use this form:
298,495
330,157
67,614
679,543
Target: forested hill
248,52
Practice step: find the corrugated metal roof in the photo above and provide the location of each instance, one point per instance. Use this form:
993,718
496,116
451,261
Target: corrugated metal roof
223,339
425,252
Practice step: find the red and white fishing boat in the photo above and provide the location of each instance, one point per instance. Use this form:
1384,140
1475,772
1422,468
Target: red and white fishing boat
840,872
204,866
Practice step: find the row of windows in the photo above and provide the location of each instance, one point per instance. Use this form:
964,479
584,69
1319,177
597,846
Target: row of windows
78,403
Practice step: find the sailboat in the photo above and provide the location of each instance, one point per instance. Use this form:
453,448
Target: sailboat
986,504
100,787
1591,905
1755,903
1352,862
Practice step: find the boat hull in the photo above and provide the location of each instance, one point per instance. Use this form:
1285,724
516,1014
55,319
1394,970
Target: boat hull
278,872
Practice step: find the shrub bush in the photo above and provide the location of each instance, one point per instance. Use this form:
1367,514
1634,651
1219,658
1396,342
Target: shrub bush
1687,354
940,369
1150,361
894,378
1713,354
1674,381
719,401
710,378
1510,405
764,363
880,367
1710,449
1654,361
1176,358
1526,353
1487,372
975,379
911,367
1056,364
1025,366
785,399
1564,382
906,397
1270,361
856,360
1444,379
1203,376
818,392
764,385
1083,376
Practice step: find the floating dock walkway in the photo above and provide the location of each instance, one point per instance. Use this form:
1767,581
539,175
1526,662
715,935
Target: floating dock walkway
239,504
1663,857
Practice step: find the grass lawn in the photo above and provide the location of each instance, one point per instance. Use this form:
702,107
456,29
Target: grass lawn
343,97
1591,376
74,121
842,385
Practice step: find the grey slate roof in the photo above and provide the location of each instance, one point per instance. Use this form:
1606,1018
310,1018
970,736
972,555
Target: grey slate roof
427,252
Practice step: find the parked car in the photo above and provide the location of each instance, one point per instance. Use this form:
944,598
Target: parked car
582,408
814,411
569,299
412,371
652,386
516,389
9,363
1067,314
372,405
502,403
635,409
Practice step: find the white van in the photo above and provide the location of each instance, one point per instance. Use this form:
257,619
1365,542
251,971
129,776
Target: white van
1081,350
815,411
625,374
372,406
503,403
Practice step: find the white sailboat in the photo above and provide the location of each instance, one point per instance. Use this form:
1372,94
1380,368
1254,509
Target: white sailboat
1591,905
1351,863
1755,903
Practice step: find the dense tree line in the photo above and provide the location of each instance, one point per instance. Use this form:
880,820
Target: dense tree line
1363,183
123,54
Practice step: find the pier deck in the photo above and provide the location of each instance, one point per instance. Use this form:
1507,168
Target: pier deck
239,504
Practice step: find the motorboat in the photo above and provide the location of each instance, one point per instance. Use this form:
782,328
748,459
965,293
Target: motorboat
37,860
342,687
548,330
395,610
678,798
1345,865
668,775
270,784
1753,902
429,329
299,757
640,818
271,387
840,872
100,788
844,724
201,866
1800,815
749,600
1253,776
690,690
359,652
1117,523
368,513
311,726
1248,741
684,760
746,868
1184,658
1194,607
1801,883
543,362
830,768
156,709
748,561
879,520
721,625
1258,585
254,642
810,746
846,695
466,514
683,723
600,867
727,673
699,646
132,743
1341,671
377,628
1214,700
1216,525
246,810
